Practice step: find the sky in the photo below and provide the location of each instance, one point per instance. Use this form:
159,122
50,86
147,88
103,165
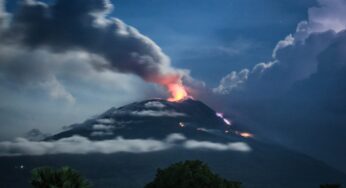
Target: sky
216,36
276,67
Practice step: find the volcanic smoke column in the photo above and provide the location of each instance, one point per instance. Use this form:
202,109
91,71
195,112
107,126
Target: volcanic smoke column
86,25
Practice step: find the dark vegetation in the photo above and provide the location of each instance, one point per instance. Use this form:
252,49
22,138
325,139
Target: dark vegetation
187,174
65,177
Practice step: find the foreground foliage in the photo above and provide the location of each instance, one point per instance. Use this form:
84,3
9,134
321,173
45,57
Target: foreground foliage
190,174
65,177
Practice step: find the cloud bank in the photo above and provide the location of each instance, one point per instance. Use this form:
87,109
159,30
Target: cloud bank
82,145
298,98
297,57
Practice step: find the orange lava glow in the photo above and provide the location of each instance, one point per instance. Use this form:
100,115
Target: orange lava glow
246,135
177,92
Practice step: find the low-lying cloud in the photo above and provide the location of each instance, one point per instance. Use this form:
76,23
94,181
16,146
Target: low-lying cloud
82,145
154,113
154,104
151,113
238,146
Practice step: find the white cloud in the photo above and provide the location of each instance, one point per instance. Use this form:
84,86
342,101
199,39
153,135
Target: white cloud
154,104
237,146
105,121
100,130
175,137
102,127
152,113
260,68
295,57
329,15
231,81
289,40
79,145
82,145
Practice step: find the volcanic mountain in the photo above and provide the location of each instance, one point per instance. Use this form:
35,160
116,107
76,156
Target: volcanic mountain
202,133
154,118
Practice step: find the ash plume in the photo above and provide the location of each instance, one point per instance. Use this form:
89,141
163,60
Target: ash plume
87,25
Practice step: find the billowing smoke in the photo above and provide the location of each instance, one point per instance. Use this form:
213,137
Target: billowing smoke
86,25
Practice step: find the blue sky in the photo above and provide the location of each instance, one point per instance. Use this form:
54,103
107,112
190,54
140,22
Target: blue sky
204,36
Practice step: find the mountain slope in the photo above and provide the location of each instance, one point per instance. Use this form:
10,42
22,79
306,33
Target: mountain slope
154,118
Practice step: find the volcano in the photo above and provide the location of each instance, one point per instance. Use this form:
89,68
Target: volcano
260,165
155,118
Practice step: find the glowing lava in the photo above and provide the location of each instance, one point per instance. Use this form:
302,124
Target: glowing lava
177,92
220,115
246,135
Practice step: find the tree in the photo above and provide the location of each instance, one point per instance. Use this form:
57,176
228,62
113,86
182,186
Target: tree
330,186
189,174
65,177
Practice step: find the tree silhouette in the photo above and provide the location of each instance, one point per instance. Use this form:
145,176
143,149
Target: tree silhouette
65,177
190,174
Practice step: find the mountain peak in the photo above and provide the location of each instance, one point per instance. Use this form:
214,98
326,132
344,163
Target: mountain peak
154,118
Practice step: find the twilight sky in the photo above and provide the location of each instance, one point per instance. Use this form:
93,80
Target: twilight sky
276,67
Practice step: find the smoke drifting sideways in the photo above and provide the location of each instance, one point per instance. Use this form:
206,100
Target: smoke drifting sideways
69,25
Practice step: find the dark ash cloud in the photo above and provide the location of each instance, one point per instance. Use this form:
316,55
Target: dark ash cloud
72,57
86,25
